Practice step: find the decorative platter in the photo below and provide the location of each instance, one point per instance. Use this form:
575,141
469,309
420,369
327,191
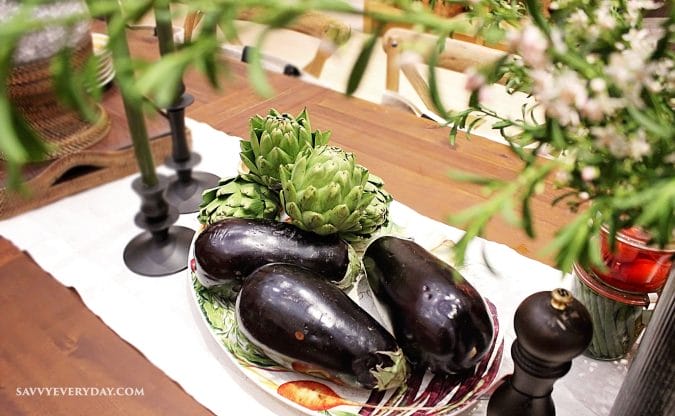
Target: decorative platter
424,394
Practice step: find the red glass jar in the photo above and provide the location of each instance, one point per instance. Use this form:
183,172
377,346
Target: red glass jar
634,265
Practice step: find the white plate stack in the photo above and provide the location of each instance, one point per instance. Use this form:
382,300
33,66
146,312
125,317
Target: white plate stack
105,72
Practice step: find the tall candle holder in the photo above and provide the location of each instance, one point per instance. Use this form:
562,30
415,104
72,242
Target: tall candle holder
184,190
162,249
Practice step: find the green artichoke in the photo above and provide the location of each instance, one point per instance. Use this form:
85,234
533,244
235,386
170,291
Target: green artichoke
276,140
323,191
237,197
376,214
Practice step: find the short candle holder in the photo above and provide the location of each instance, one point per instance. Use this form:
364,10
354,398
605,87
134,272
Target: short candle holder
162,249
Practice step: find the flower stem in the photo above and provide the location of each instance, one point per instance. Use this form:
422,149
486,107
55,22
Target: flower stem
133,102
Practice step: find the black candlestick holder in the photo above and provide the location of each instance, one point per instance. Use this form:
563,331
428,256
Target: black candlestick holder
185,188
163,248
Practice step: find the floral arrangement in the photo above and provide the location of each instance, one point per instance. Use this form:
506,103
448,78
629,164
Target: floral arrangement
604,92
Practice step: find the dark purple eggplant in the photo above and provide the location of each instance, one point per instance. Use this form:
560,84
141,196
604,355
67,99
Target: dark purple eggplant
306,324
228,251
439,319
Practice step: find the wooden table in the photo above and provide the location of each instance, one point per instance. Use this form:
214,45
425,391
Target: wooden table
50,338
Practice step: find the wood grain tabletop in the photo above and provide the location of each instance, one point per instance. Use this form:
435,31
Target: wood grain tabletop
49,337
51,340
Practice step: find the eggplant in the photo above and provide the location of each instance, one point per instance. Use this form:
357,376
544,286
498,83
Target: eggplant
229,250
439,319
306,324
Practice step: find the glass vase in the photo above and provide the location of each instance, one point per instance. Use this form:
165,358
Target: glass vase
618,317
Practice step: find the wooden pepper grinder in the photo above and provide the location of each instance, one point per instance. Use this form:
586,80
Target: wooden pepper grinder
551,329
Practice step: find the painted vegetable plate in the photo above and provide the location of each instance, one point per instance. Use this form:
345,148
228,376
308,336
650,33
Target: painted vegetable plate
424,394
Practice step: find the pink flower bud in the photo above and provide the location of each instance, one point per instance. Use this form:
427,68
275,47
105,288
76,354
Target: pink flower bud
475,80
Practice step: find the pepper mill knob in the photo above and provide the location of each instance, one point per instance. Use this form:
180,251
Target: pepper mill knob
551,329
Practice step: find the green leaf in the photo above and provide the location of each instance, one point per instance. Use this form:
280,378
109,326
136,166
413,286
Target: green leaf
534,8
502,124
477,121
434,90
361,64
135,10
595,253
68,83
651,125
493,34
10,145
162,80
256,72
340,413
469,177
527,216
453,133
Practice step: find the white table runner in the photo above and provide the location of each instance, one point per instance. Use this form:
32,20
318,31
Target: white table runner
80,240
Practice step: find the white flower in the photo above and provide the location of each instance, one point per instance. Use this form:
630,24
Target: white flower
589,173
598,85
610,138
664,69
644,4
532,45
662,75
604,17
642,41
562,177
629,71
593,32
562,95
572,89
567,95
593,110
543,80
578,20
584,196
601,106
565,114
634,7
558,41
639,146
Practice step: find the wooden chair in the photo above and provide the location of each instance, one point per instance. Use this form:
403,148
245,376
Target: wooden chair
457,56
332,33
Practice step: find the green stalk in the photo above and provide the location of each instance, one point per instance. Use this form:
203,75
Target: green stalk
602,344
133,103
164,28
534,7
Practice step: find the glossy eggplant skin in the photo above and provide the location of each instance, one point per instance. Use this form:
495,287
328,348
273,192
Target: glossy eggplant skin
235,247
308,325
439,319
